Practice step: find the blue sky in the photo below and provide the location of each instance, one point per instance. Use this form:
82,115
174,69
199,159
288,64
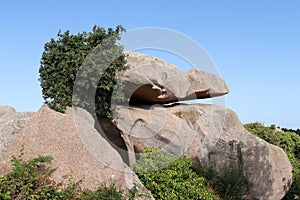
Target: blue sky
254,44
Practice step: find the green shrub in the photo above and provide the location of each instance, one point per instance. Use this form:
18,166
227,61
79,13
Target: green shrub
31,180
290,143
168,177
104,192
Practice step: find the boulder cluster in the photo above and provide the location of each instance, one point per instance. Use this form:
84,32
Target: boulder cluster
97,150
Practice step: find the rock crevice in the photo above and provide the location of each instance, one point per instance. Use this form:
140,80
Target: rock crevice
150,80
225,145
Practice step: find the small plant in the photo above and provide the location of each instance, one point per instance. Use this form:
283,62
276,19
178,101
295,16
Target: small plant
136,193
104,192
231,184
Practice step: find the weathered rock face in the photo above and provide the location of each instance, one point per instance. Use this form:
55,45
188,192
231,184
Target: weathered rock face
65,138
150,80
4,110
97,152
212,135
11,123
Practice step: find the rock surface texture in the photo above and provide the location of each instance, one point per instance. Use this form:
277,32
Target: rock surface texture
150,80
206,133
212,135
11,123
97,152
62,136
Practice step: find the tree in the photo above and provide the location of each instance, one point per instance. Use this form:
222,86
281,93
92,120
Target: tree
62,60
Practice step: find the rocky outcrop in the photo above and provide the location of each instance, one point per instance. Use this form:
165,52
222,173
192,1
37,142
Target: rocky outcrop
150,80
210,135
11,123
65,138
97,152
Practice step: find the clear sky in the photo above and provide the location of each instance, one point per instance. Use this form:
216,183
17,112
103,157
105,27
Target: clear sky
254,44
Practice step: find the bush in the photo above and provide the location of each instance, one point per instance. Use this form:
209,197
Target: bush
290,143
31,180
168,177
62,59
230,184
103,192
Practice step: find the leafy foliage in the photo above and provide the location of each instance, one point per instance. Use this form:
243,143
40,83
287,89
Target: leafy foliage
168,177
62,59
289,142
291,130
31,180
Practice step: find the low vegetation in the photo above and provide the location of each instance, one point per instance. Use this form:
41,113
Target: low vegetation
297,131
231,184
169,177
165,175
289,142
31,180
